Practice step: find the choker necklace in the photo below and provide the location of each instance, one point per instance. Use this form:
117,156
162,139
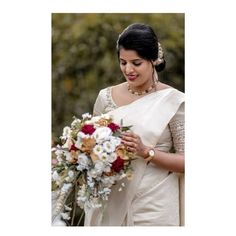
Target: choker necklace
142,92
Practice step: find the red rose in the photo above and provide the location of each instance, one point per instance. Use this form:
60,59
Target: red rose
118,164
113,127
73,148
88,129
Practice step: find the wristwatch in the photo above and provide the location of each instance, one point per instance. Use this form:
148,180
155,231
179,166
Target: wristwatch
151,154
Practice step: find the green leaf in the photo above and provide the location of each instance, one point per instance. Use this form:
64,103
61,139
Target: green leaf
117,134
125,128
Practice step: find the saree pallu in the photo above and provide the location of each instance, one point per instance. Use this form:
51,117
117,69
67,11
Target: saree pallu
151,198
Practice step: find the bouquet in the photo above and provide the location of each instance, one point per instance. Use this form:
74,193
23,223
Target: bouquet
90,160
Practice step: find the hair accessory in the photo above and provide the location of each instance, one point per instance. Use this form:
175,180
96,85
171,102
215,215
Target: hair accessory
160,58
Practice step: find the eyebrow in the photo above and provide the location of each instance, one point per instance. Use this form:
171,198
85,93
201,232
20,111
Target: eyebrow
138,59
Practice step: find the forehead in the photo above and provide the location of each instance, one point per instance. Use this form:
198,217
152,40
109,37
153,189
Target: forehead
129,54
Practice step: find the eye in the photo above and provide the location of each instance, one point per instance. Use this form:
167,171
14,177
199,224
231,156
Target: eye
137,63
123,63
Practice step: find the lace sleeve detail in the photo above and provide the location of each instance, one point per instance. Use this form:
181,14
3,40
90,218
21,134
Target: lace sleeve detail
98,105
177,129
110,103
104,102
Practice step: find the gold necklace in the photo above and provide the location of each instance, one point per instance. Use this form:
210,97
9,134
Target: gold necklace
142,92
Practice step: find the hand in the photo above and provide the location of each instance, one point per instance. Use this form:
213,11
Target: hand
134,144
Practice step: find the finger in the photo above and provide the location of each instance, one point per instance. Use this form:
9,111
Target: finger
130,149
129,139
130,134
130,144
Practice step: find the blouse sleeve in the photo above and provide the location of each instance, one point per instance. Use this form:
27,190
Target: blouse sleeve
99,105
177,129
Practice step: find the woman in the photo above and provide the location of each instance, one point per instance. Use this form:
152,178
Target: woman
156,113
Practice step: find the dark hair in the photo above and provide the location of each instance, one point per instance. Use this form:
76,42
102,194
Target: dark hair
142,39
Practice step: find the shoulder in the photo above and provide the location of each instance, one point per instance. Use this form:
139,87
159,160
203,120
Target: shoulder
173,96
119,87
113,87
104,93
171,91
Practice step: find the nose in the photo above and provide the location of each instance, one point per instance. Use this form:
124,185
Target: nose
129,68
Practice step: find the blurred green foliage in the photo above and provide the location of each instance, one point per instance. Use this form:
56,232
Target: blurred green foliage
84,58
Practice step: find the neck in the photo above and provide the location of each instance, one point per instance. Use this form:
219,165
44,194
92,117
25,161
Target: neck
144,88
141,90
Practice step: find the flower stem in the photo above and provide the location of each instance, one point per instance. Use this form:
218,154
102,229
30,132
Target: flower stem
81,217
74,204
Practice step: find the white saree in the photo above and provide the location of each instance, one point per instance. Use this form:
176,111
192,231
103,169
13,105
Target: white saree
152,197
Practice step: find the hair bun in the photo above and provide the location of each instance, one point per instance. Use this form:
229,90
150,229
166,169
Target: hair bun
160,66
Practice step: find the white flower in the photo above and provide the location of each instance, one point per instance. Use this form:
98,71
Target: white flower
106,116
83,162
102,166
70,173
92,121
59,152
75,123
66,187
82,135
98,169
68,208
108,180
86,116
115,140
65,216
90,182
79,140
82,198
93,173
68,156
101,134
112,157
104,157
105,191
66,133
68,143
55,176
98,150
109,146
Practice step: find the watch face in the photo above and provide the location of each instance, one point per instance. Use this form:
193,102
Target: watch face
151,153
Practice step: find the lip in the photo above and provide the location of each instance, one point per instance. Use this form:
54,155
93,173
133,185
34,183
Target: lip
132,77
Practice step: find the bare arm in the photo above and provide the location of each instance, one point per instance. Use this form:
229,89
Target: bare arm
171,161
